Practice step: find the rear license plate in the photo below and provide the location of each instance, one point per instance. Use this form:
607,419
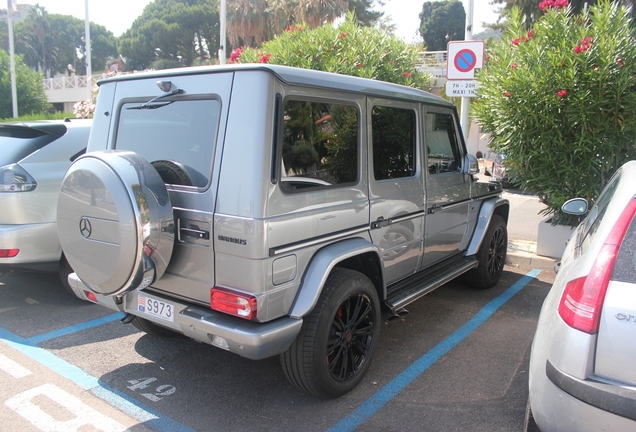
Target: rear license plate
155,308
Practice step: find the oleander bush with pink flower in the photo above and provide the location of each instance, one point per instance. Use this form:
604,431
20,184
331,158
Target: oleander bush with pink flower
348,49
559,100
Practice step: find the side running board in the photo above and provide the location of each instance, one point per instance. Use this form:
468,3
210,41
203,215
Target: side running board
418,285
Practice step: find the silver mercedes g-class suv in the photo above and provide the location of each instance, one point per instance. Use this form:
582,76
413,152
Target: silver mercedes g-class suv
269,210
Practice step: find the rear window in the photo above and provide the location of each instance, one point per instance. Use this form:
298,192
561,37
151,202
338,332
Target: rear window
18,142
176,137
625,266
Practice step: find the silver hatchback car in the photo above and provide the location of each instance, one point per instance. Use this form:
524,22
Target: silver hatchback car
33,159
582,373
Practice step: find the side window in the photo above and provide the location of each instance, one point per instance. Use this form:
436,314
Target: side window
320,145
442,146
176,137
597,213
394,133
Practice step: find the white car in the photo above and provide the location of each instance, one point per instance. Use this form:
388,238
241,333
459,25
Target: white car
33,159
582,370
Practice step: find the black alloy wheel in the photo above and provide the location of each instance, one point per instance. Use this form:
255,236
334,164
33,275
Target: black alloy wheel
350,337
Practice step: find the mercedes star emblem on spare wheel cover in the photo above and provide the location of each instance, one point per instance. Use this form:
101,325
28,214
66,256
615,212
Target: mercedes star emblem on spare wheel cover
85,227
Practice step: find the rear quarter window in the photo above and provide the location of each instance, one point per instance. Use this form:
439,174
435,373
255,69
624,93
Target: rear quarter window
319,145
625,266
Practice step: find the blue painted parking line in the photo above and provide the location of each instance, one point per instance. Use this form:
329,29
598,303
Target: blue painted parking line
88,382
393,388
75,328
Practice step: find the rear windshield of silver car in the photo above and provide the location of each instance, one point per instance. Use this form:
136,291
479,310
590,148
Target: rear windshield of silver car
18,142
176,137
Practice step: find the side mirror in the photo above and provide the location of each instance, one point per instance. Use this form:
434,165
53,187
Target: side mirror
575,206
471,165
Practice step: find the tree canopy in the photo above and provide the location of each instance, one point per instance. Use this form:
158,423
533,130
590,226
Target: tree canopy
51,42
172,30
441,22
31,97
251,22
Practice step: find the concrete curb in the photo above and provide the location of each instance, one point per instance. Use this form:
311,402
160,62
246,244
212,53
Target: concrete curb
521,252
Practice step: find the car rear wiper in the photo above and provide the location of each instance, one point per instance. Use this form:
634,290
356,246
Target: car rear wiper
150,105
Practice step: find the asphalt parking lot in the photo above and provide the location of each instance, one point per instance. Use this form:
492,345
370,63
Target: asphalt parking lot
457,361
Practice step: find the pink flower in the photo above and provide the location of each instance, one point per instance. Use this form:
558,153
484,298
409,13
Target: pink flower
556,4
514,65
531,34
342,35
562,93
359,65
506,94
516,41
264,58
236,54
407,75
390,62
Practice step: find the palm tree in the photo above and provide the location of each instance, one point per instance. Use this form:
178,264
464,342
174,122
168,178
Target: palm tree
251,22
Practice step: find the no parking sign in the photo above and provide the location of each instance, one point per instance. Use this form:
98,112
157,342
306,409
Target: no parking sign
463,57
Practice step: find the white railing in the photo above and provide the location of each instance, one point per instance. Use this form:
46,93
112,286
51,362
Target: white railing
73,82
433,62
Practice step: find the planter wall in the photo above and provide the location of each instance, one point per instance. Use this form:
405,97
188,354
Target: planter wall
551,240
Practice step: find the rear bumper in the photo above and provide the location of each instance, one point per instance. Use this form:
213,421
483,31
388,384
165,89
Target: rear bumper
615,399
38,243
246,338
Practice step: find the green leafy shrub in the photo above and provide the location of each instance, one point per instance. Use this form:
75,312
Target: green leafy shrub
560,100
348,49
29,89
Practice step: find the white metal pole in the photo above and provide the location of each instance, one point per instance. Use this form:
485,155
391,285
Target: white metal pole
465,107
14,91
222,36
87,36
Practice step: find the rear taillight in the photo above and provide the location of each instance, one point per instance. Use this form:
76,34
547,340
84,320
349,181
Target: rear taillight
582,300
233,303
9,253
13,178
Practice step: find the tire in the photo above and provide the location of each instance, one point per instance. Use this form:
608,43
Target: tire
491,256
172,173
151,328
313,363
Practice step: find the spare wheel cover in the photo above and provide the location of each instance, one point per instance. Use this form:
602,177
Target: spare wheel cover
115,221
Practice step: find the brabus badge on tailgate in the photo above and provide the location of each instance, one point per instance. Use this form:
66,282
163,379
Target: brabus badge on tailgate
232,240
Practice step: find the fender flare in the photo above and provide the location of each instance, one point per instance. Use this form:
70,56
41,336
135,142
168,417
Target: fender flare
485,215
320,267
